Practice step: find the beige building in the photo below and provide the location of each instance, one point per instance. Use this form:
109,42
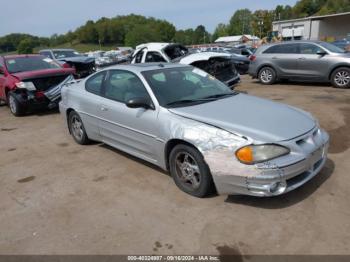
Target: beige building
328,27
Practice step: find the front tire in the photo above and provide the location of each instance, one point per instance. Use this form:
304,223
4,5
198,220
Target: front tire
15,106
267,76
190,172
341,78
76,128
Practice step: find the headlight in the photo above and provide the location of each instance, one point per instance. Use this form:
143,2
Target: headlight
26,85
253,154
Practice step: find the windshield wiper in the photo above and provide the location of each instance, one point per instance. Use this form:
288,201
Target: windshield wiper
220,95
187,101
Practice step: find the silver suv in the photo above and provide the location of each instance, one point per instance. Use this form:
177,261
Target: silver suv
301,60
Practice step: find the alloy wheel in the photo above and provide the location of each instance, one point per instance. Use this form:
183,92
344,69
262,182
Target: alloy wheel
12,104
266,76
77,128
188,170
342,78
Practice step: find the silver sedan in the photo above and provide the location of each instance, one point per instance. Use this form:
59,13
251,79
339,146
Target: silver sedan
207,136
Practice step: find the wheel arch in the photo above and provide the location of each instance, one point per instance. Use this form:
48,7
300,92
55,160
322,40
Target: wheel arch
337,67
266,65
68,111
170,146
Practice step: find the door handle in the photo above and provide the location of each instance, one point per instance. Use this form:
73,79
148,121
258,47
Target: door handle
275,57
104,108
302,58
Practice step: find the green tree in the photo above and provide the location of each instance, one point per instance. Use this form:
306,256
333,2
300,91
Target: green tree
141,34
220,30
88,33
26,46
200,35
185,37
240,22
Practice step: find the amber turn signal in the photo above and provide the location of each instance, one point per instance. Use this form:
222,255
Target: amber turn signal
245,155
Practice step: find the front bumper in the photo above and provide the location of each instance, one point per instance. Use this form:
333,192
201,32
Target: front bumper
30,102
273,179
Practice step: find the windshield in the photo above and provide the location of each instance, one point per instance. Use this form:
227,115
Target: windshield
332,48
29,63
185,86
65,53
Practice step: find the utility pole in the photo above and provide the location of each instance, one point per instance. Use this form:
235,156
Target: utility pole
261,24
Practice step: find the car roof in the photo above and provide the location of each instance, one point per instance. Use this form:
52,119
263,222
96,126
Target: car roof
21,56
146,66
57,49
295,42
154,46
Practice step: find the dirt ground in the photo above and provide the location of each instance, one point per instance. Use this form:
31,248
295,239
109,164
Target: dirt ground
57,197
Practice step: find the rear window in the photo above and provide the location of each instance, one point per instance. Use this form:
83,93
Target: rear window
283,49
59,54
29,63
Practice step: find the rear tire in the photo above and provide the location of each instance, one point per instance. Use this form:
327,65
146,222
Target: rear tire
76,128
267,76
15,106
341,78
190,172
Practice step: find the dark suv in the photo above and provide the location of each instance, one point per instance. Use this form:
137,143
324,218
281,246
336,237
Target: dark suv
301,60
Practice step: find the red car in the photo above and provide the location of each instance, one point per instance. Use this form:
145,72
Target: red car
29,82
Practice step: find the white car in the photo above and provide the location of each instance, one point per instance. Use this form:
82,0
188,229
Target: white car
219,65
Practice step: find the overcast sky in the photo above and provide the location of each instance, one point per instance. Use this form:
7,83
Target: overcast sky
46,17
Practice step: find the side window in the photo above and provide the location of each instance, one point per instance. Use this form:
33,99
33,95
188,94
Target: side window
272,50
290,49
245,52
138,57
94,83
154,57
122,86
309,49
47,54
283,49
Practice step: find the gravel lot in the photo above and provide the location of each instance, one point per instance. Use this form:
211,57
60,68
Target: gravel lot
58,197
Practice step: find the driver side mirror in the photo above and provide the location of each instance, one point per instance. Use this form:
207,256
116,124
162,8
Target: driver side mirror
140,102
2,71
321,52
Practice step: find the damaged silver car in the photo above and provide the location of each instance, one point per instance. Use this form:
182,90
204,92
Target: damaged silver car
185,121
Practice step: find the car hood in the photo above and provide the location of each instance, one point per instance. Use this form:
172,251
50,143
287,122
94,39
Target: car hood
79,59
260,119
43,73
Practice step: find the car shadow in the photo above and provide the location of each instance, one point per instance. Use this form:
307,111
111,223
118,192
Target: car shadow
288,199
44,112
133,158
297,83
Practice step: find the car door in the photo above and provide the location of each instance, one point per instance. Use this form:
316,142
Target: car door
133,130
138,57
88,104
312,66
284,59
